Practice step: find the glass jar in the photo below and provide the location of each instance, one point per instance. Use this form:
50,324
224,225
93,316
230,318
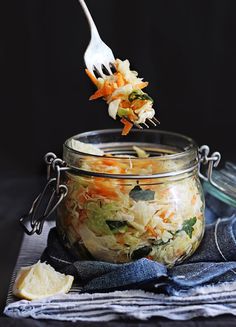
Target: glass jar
221,194
121,208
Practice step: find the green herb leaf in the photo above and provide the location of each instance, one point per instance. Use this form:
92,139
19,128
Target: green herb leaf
188,226
137,194
141,252
116,225
137,94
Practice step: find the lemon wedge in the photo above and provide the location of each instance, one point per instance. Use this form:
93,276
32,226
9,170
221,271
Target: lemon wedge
40,280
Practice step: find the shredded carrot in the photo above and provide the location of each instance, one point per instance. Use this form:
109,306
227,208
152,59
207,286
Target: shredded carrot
141,85
118,166
120,239
137,104
179,252
101,183
127,126
171,215
119,79
151,231
150,257
98,94
107,193
92,77
109,162
194,199
125,104
164,192
163,214
104,91
132,116
102,188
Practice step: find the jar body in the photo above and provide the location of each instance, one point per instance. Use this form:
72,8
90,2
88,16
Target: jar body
121,220
121,208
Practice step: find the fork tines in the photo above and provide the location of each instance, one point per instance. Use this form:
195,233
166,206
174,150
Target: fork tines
152,121
104,70
138,125
145,124
156,120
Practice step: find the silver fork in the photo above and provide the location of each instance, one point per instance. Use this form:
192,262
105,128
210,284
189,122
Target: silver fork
99,56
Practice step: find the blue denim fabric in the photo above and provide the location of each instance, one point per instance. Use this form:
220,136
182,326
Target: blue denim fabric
189,276
103,276
213,262
207,266
142,273
223,231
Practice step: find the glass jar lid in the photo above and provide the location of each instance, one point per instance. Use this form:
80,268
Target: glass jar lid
225,181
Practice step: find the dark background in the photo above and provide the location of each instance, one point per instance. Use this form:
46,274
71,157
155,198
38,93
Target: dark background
185,49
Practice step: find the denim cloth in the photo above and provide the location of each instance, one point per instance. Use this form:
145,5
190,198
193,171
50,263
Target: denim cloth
213,262
103,276
206,300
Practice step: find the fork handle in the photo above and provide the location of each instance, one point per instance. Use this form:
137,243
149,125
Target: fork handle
93,28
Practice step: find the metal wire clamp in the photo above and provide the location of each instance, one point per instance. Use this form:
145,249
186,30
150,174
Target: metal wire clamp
211,162
48,200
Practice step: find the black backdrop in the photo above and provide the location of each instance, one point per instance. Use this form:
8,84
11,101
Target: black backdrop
185,49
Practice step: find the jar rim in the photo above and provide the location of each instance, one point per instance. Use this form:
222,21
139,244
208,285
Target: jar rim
184,161
192,144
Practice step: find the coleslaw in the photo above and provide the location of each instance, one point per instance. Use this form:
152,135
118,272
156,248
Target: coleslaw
123,93
121,220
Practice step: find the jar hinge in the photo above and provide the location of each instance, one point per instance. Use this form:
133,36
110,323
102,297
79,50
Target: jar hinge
49,199
210,161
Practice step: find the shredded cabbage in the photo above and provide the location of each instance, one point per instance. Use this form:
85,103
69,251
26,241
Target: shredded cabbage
119,222
140,152
113,108
85,147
